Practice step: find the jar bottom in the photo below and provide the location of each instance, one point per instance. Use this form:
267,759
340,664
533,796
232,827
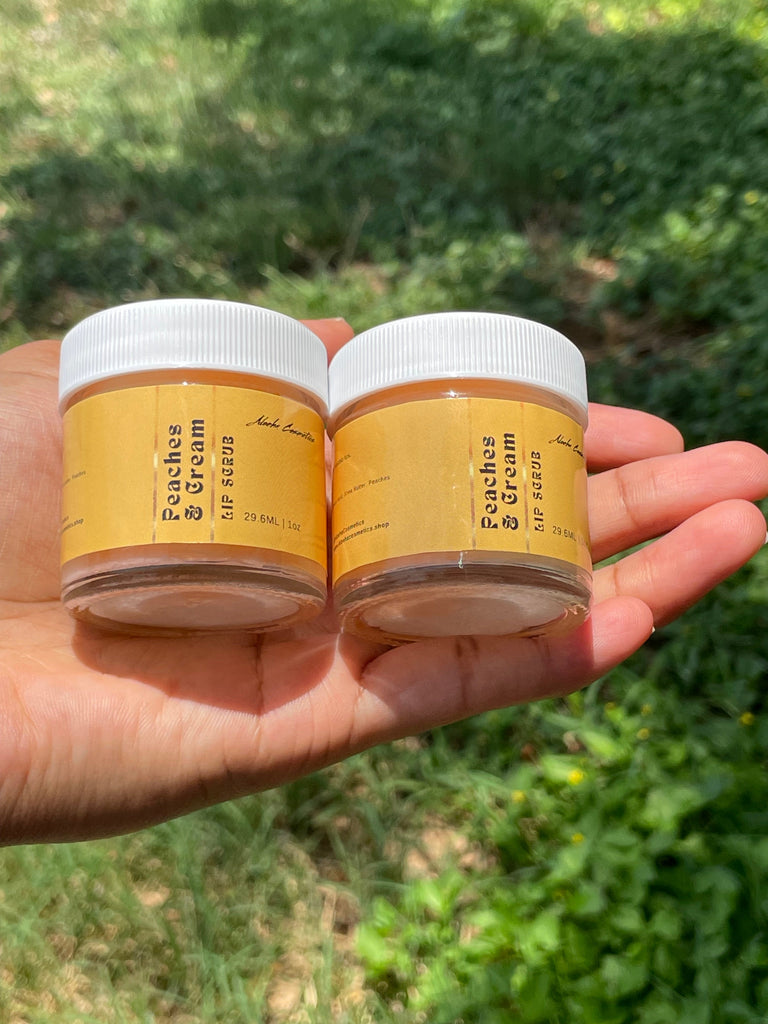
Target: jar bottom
178,599
416,604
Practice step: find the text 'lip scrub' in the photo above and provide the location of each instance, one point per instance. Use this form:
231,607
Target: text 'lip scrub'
194,470
459,479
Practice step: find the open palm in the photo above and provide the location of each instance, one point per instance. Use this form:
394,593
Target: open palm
102,733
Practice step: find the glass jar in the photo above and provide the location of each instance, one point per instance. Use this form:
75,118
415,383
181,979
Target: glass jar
459,479
194,473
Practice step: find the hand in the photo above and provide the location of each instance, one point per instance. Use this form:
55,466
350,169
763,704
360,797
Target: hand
102,733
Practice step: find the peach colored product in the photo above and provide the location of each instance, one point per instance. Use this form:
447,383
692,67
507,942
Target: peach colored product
194,471
459,480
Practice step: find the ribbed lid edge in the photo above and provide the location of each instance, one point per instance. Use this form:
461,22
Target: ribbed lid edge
465,344
195,333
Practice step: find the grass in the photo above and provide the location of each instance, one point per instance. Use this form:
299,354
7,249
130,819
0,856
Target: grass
602,168
224,916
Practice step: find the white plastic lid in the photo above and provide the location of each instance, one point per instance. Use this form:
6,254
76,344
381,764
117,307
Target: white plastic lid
454,345
205,334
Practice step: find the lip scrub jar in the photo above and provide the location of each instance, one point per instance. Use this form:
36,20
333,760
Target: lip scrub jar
194,470
459,480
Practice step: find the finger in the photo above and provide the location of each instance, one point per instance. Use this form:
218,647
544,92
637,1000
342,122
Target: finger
676,571
636,502
616,436
30,472
333,333
33,359
418,686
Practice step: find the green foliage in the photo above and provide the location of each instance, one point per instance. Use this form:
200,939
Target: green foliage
700,265
628,885
500,272
387,131
628,828
212,918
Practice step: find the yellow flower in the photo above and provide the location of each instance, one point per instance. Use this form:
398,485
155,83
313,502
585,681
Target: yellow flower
518,796
643,734
575,777
747,718
646,709
577,837
751,197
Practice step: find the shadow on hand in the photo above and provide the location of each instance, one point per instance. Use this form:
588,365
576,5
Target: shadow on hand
244,672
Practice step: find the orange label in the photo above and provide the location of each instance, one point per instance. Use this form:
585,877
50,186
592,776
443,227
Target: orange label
459,474
193,464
